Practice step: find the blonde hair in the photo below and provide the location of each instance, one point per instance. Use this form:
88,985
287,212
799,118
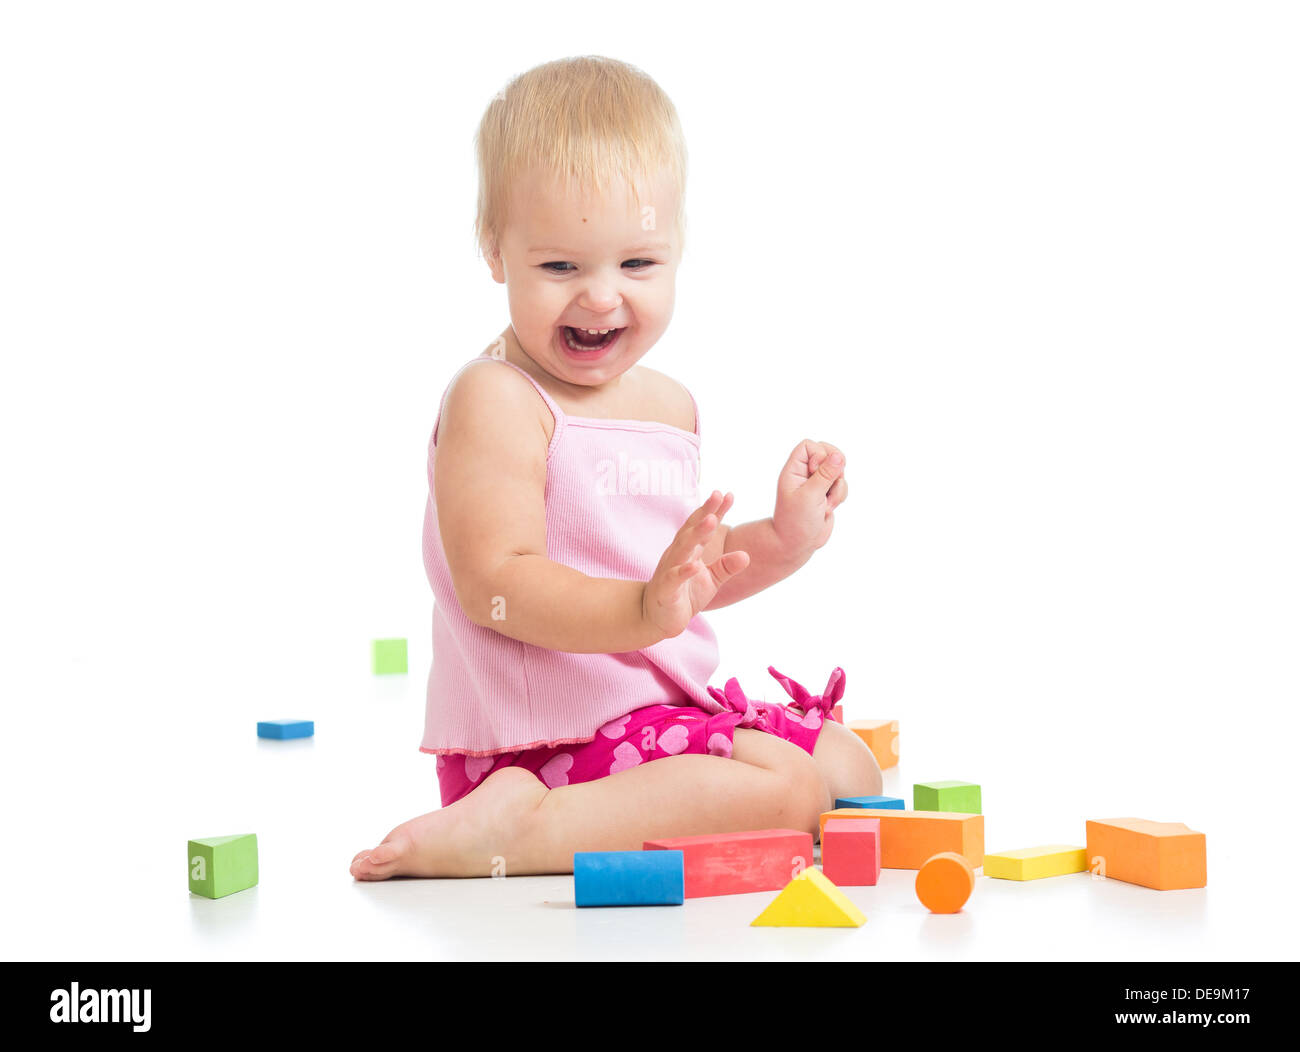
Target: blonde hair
585,121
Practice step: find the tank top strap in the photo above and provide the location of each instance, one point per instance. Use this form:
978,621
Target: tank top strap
556,411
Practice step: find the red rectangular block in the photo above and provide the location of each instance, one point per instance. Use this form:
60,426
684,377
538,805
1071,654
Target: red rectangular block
736,863
851,851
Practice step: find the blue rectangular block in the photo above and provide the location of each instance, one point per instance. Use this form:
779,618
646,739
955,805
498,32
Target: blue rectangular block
872,801
629,878
285,729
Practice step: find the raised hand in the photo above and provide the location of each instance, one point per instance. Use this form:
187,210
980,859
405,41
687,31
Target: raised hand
811,486
682,584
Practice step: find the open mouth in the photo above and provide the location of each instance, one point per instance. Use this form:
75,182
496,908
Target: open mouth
587,341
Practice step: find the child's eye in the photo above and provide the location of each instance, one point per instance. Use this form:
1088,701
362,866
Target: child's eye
635,264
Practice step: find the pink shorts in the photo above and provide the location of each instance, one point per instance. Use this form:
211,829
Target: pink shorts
653,733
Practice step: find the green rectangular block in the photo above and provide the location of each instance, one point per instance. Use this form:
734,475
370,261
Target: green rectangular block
222,865
388,657
962,797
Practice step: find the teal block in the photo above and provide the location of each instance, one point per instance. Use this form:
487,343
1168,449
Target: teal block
220,866
286,728
962,797
388,657
629,878
892,802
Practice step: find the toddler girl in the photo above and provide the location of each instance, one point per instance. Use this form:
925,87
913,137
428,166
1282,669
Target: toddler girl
568,702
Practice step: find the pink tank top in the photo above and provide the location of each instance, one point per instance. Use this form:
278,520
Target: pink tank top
617,491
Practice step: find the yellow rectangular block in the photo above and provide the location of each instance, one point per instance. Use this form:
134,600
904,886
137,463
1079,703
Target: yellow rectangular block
908,838
1034,863
1161,855
881,737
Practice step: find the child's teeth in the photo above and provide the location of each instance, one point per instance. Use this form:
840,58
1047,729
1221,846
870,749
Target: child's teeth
595,336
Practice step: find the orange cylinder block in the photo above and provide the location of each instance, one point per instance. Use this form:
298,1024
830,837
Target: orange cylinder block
945,882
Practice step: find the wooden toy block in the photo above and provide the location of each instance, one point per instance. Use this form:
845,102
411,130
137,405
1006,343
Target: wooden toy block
285,729
388,657
881,737
837,713
222,865
878,802
628,878
946,796
736,863
944,882
1161,855
1034,863
851,852
908,838
810,901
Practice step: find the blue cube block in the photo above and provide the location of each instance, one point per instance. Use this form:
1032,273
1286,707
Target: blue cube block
872,801
285,729
629,878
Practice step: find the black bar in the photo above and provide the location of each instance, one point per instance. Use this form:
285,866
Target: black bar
513,1002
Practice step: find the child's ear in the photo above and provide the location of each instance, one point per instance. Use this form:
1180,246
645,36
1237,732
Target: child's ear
492,256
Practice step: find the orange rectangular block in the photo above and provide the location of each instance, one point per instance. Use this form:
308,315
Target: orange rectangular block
908,838
1161,855
881,737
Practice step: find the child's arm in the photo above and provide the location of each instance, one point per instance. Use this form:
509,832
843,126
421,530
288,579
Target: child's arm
811,486
489,486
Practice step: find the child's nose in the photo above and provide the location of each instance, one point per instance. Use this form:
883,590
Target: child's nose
598,310
599,297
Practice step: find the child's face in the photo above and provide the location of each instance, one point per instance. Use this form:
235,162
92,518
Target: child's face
590,264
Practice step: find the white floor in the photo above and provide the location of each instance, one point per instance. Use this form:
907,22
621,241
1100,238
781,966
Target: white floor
100,808
1062,366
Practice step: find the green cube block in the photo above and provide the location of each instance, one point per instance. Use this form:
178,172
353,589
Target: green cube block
222,865
962,797
388,657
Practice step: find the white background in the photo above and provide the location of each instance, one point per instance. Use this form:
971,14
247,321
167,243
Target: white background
1032,266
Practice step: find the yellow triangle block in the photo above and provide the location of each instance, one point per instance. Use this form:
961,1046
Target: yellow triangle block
810,901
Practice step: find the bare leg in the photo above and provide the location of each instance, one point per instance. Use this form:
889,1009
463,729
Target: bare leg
847,766
513,824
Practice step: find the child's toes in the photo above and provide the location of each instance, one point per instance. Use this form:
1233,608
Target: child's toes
386,853
366,870
380,863
360,864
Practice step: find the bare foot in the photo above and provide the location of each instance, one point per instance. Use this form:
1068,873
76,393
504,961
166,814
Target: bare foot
462,840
